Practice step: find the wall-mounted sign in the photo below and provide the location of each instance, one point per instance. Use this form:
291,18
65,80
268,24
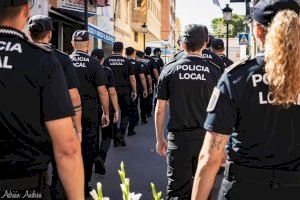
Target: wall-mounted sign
97,33
76,5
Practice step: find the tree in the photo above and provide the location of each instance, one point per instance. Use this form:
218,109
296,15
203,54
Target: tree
237,25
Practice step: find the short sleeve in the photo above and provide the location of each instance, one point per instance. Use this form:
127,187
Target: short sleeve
99,75
111,79
70,74
141,69
55,95
147,69
154,65
130,68
163,91
222,112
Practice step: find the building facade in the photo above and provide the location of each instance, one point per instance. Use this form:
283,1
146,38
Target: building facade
168,22
152,20
177,33
67,16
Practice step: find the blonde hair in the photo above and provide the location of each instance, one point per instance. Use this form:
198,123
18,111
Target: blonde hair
282,51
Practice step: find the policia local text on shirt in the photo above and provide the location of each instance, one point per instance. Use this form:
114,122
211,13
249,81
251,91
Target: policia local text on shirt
260,112
187,85
42,115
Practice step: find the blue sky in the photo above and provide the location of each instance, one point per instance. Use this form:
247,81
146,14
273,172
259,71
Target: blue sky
203,11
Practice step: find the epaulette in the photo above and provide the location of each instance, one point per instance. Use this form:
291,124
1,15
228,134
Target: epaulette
237,64
61,52
39,46
214,64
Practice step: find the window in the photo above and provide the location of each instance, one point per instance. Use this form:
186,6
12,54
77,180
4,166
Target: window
136,37
138,3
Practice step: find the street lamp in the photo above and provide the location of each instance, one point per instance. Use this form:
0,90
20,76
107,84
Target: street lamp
86,23
227,12
144,31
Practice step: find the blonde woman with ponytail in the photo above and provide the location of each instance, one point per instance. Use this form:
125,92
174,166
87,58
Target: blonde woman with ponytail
257,102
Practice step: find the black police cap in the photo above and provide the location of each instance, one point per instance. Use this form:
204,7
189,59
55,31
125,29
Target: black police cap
12,3
40,23
156,50
217,44
98,53
265,10
80,36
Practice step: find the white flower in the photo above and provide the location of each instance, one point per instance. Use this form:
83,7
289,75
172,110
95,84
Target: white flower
133,196
94,195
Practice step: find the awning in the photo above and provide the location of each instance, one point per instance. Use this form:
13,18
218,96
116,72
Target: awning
97,33
66,16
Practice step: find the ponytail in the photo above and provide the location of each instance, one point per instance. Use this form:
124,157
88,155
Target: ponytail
282,51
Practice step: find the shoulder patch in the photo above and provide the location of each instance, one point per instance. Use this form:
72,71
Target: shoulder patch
214,64
45,49
237,64
213,100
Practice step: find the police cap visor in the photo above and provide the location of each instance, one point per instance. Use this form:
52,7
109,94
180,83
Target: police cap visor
265,10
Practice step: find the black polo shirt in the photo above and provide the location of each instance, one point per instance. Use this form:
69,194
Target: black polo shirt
227,61
111,82
151,65
90,74
121,68
139,69
33,90
214,58
68,68
263,135
158,62
187,84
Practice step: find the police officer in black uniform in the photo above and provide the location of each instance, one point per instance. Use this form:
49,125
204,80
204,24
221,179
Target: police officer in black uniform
125,85
141,88
217,47
154,70
260,105
186,85
107,132
139,56
210,56
93,82
40,30
157,59
35,110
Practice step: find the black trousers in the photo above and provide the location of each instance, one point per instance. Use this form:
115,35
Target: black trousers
133,115
89,147
249,188
32,187
143,106
107,135
124,103
182,158
149,106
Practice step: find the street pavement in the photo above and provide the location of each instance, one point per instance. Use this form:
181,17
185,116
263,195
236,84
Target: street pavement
142,165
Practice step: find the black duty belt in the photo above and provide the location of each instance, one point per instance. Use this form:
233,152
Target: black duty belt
24,183
275,177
